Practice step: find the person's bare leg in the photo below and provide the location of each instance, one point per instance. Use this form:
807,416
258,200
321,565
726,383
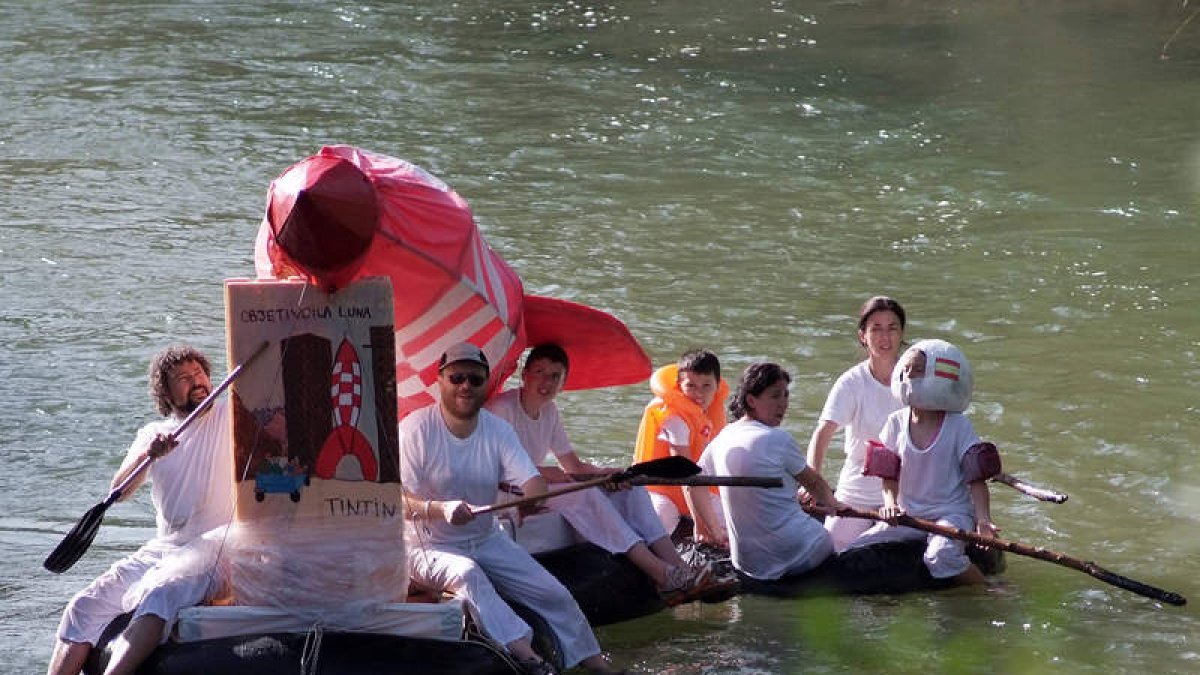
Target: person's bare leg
653,566
522,650
664,548
68,658
134,644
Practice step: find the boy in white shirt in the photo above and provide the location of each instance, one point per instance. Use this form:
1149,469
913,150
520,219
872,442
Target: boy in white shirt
622,521
932,463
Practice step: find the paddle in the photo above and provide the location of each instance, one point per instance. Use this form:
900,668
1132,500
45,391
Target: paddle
672,467
80,538
1031,490
732,481
1063,559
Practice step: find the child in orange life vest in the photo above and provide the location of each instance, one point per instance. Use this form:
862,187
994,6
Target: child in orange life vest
932,463
687,411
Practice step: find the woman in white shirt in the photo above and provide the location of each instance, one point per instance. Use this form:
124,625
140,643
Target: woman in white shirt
861,401
770,535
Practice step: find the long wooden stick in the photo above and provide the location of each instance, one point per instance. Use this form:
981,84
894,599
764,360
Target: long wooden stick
1031,490
1085,566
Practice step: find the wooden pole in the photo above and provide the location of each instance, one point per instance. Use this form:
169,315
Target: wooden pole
1085,566
1031,490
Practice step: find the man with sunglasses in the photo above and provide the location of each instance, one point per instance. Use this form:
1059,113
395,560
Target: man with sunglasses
453,454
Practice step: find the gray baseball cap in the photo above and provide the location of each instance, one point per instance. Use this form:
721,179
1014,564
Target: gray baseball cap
463,351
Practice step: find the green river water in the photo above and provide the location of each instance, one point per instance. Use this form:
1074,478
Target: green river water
1023,176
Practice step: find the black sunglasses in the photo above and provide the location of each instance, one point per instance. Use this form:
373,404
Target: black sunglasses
475,379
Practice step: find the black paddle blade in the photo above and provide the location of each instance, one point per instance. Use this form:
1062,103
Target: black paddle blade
674,466
77,541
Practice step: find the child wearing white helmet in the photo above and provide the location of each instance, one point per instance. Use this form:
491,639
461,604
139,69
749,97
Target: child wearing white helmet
932,463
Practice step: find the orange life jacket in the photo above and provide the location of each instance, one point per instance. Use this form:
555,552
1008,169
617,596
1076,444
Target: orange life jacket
703,425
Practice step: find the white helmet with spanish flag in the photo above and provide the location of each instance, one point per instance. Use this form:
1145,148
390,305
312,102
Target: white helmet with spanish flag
946,383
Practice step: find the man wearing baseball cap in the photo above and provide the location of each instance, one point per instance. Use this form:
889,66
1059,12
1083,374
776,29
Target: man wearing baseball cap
452,456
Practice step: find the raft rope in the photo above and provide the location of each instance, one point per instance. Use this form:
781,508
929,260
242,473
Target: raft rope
310,656
473,633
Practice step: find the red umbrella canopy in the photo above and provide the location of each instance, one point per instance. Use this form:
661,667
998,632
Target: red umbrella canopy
600,348
347,213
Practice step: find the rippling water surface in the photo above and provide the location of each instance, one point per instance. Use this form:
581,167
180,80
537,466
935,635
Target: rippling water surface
1024,177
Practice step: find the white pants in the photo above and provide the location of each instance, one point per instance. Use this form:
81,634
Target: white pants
478,571
944,557
845,530
668,513
614,521
133,584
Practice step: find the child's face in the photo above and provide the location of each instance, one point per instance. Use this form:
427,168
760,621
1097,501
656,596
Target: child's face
543,379
700,388
914,368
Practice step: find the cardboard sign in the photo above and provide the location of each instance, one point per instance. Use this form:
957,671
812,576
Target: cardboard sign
315,414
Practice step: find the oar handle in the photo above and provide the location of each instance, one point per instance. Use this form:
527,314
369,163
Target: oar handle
115,494
1031,490
730,481
573,487
672,466
1087,567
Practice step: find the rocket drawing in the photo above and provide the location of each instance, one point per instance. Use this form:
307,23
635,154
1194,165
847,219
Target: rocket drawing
345,392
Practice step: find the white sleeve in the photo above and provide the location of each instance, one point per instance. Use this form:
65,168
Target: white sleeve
793,459
892,428
966,436
675,431
842,401
516,465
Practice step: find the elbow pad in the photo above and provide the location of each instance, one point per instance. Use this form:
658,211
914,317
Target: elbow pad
981,462
881,462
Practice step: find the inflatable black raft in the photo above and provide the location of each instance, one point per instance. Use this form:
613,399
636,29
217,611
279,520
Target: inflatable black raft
608,587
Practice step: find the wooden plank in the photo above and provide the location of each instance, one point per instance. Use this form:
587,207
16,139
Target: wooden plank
314,418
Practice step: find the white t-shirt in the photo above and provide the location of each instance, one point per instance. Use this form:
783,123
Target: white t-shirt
542,436
436,464
931,480
191,486
675,431
859,404
769,534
